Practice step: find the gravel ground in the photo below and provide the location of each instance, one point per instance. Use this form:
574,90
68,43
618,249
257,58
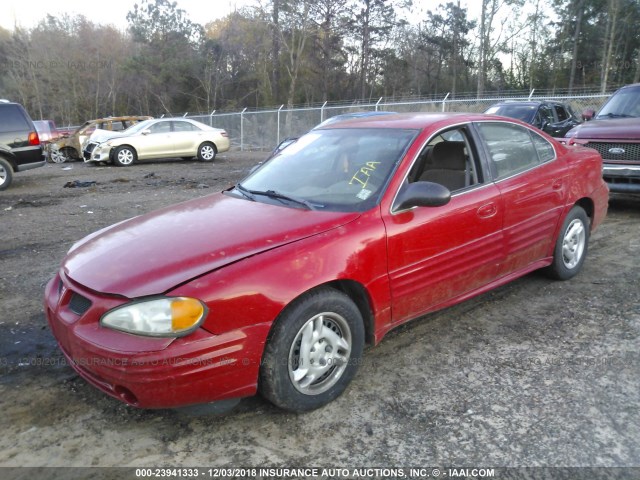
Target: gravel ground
536,373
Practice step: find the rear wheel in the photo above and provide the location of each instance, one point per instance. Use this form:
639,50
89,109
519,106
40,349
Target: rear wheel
124,156
207,152
313,351
571,245
61,156
6,174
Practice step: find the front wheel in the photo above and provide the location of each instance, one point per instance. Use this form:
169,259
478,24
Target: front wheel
571,245
313,351
206,152
124,156
6,174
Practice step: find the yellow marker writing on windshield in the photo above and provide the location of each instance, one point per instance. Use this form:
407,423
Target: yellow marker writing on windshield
362,175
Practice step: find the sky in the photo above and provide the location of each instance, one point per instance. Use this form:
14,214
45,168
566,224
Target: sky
27,13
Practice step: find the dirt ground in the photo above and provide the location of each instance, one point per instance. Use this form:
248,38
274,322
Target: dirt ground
537,373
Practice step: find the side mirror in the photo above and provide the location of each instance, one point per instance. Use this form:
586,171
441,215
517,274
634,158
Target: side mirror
588,114
422,194
145,132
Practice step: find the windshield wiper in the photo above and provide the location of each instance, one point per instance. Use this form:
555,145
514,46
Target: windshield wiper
250,194
244,191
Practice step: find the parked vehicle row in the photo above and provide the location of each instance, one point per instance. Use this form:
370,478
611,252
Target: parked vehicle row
70,147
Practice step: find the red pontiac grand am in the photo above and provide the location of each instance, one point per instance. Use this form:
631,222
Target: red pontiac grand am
276,284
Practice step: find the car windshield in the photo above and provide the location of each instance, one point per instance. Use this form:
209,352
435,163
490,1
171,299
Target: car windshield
623,104
520,112
336,169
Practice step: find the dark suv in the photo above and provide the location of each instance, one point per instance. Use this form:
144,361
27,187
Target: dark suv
554,118
20,147
615,133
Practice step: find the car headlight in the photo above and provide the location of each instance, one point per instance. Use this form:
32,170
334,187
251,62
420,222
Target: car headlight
157,317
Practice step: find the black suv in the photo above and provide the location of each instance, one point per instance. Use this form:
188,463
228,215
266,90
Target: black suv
554,118
20,147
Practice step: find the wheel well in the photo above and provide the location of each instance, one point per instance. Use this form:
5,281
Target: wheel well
360,297
10,160
357,293
215,147
113,149
73,153
587,206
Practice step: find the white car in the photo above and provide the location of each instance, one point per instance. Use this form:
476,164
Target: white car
157,138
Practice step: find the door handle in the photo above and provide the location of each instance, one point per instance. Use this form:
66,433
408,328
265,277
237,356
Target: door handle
557,184
488,210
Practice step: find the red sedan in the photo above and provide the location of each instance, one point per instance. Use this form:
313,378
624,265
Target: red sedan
275,285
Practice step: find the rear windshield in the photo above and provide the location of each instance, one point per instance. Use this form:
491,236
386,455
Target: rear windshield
520,112
12,119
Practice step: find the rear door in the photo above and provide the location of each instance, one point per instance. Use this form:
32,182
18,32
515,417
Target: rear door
439,253
186,138
532,181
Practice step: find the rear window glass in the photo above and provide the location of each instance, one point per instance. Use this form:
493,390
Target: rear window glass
12,119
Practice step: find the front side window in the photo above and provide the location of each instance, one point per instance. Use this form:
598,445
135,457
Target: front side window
448,160
331,169
513,149
562,113
160,127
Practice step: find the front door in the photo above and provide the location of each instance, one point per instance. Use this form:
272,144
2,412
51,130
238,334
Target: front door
439,253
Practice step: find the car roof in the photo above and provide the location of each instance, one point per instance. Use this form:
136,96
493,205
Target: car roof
417,120
531,103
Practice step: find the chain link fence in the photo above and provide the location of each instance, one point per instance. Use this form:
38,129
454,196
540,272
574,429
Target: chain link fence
264,129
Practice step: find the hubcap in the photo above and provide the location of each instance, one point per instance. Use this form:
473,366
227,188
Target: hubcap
320,353
207,152
125,157
573,244
3,175
57,156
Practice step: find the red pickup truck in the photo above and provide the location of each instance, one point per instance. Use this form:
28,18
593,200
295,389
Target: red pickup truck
615,133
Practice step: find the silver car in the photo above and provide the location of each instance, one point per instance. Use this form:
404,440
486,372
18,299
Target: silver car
157,138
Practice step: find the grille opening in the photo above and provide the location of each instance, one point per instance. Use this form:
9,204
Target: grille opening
629,152
79,304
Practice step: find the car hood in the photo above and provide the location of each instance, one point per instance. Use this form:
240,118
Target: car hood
100,136
613,129
151,254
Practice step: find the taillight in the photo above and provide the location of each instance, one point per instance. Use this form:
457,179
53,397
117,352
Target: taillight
34,139
224,133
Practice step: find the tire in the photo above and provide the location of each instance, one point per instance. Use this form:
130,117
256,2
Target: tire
324,327
124,156
207,152
571,245
6,174
60,156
